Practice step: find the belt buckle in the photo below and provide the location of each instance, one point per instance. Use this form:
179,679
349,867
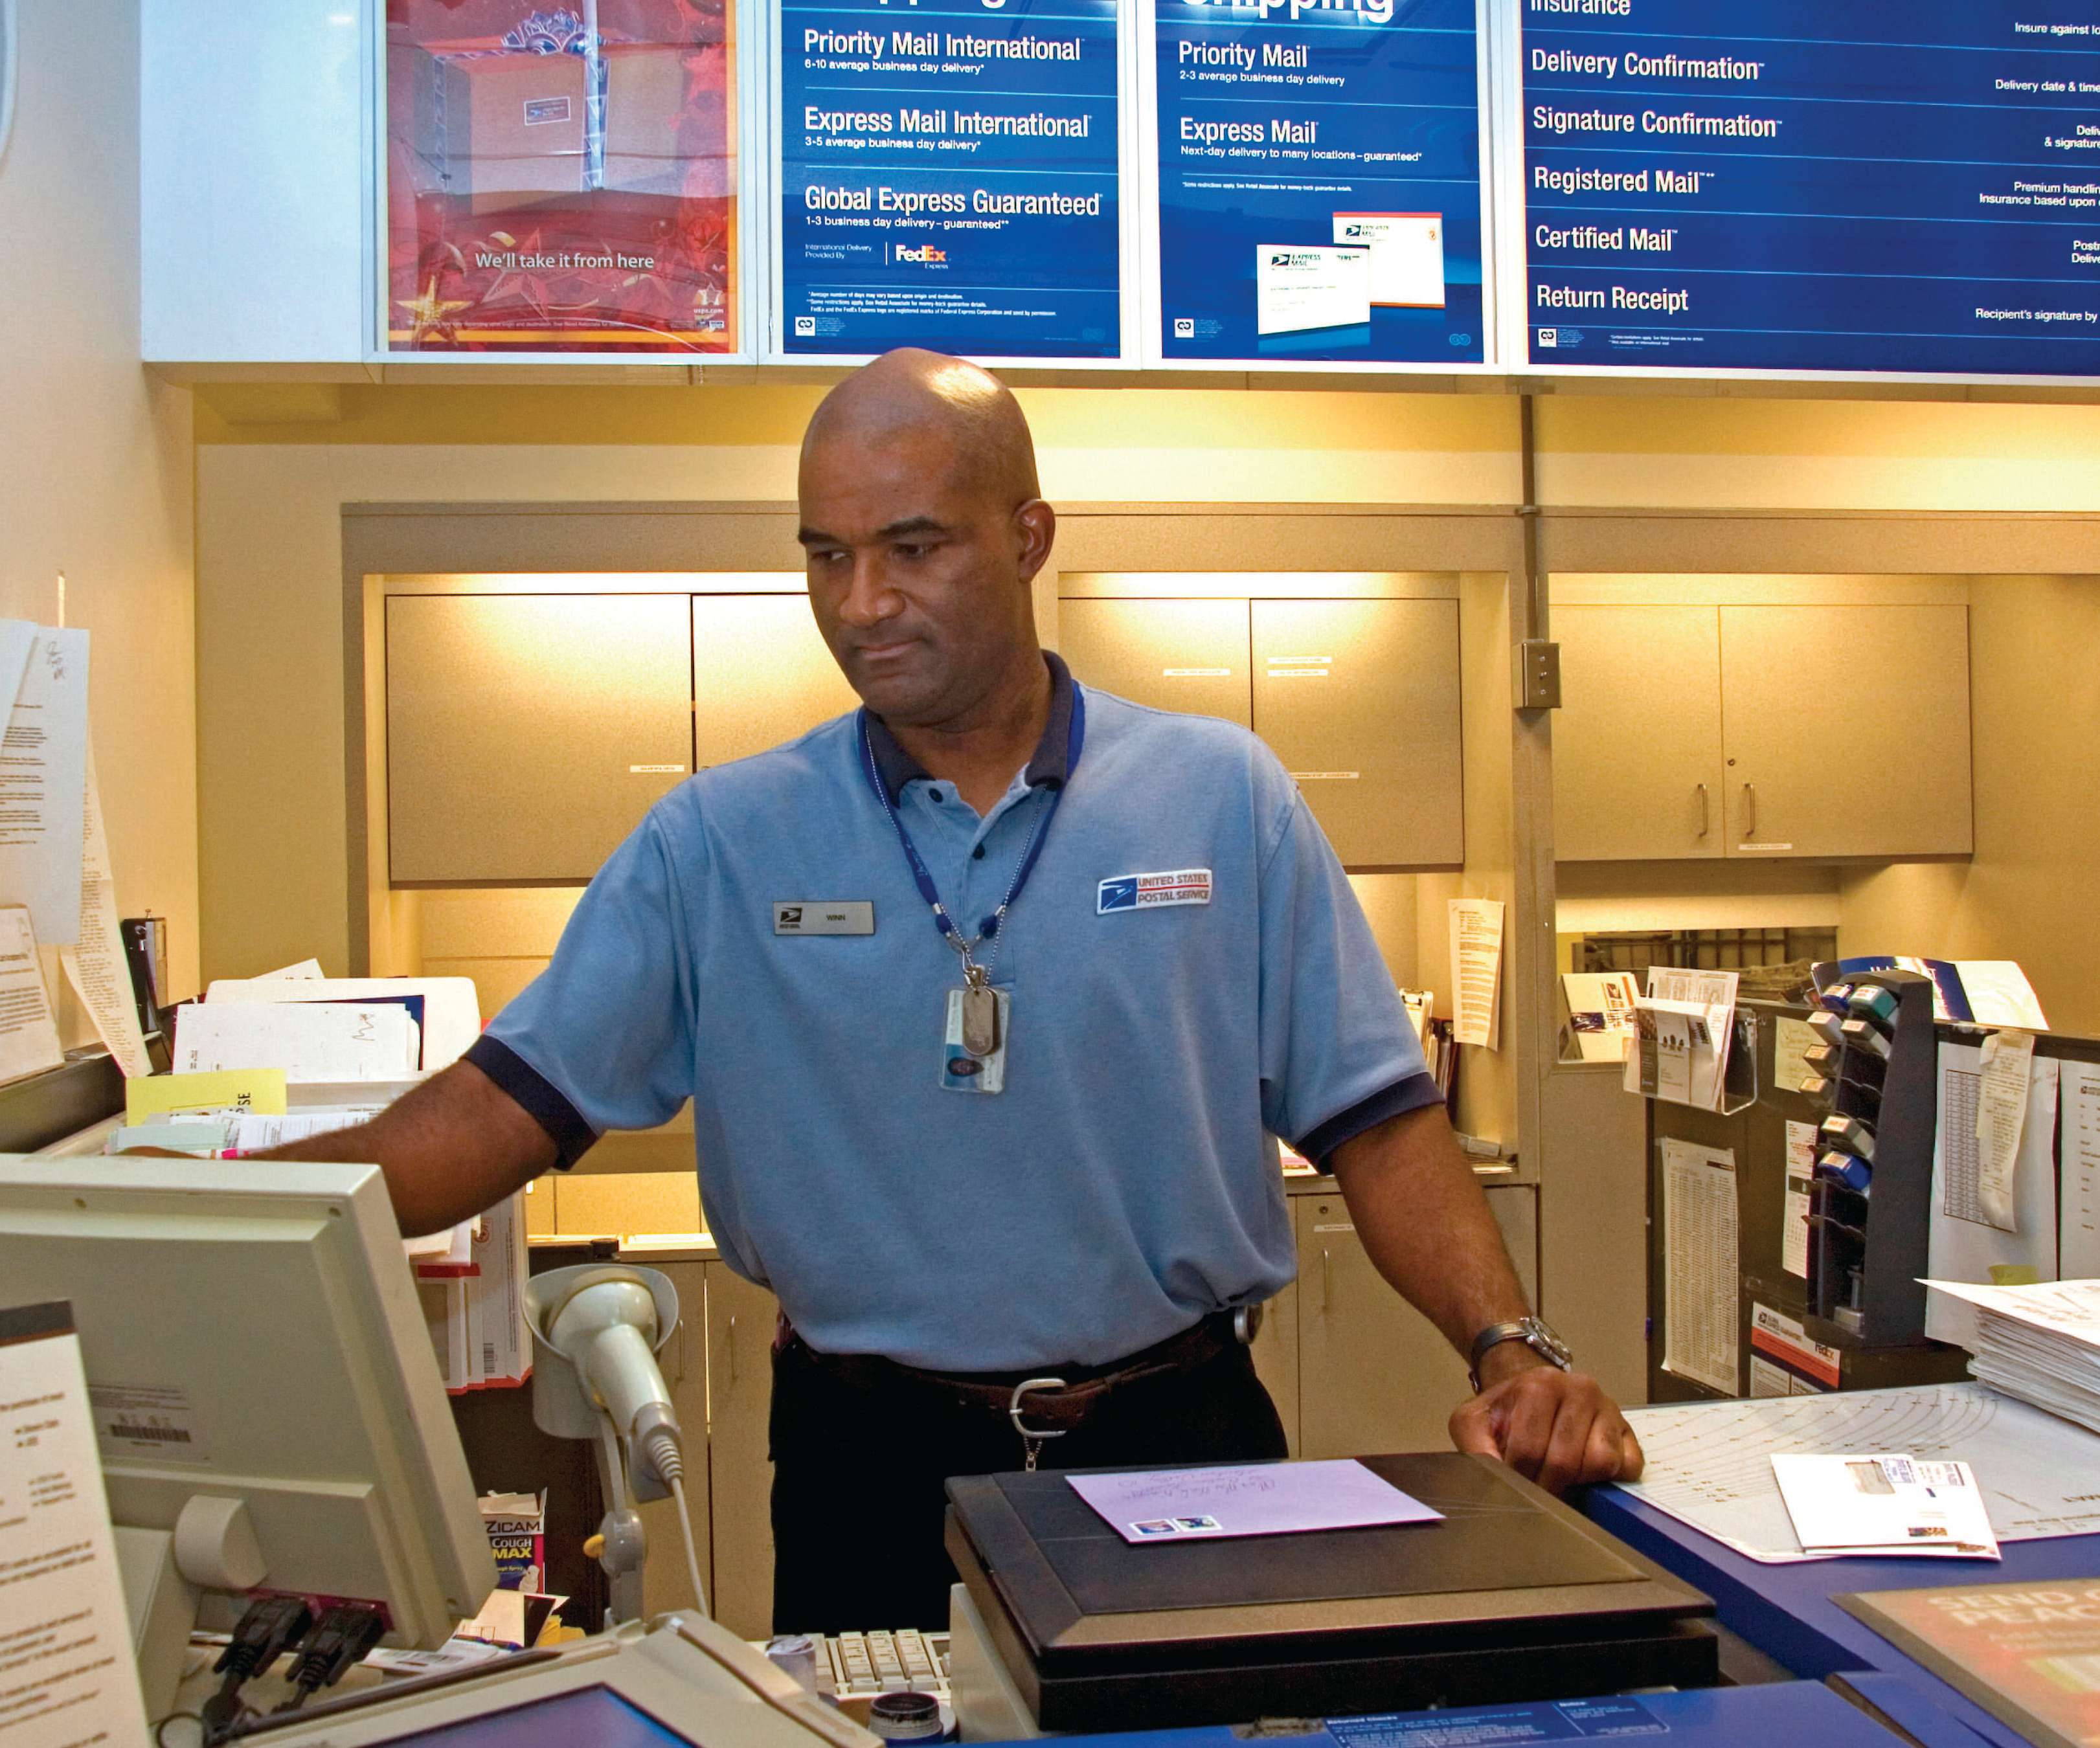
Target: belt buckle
1014,1409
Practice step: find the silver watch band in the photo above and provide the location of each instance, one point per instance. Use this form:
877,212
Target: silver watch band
1531,1331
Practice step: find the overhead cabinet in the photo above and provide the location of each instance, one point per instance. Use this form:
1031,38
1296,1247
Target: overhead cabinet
1754,731
762,674
1359,699
527,734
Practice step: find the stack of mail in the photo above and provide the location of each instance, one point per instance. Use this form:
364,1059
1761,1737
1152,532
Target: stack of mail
2041,1344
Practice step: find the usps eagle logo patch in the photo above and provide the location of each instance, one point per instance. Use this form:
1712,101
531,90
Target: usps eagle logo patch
1149,892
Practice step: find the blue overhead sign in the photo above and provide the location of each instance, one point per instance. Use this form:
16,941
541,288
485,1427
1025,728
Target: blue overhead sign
1906,186
1318,177
949,177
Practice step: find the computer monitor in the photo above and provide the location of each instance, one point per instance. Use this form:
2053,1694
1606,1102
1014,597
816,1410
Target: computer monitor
252,1336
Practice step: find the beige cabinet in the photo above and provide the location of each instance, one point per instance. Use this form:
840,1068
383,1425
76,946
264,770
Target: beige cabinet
666,1582
1638,770
1847,730
1375,1375
1795,729
1179,655
740,1321
762,674
527,734
1360,699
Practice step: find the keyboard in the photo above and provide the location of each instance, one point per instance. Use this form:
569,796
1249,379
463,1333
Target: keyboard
857,1666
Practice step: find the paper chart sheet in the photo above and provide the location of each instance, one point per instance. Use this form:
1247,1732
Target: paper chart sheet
2079,1242
1699,1264
1966,1243
1709,1463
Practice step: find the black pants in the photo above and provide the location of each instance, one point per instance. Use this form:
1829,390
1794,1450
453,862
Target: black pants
858,1469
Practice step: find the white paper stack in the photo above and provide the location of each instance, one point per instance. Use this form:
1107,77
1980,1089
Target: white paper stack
2041,1344
474,1300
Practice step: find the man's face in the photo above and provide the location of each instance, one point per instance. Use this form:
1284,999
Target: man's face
915,569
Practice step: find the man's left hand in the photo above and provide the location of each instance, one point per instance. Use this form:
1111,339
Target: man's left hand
1556,1427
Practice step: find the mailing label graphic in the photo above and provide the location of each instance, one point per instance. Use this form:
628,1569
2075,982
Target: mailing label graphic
1147,892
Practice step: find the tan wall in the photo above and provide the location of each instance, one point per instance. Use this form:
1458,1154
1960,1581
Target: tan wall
2031,890
275,466
94,456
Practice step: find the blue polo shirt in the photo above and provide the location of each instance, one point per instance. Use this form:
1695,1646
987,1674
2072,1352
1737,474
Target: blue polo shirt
1126,1181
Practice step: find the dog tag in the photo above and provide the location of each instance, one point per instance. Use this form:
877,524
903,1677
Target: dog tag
980,1020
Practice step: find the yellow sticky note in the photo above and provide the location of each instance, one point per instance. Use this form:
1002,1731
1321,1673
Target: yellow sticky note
261,1090
2015,1275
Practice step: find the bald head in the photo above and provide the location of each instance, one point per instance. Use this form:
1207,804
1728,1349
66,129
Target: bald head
942,403
923,528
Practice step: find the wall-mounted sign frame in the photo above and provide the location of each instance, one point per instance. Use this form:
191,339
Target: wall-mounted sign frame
566,183
1890,190
1317,184
954,174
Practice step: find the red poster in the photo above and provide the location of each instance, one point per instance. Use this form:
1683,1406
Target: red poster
560,179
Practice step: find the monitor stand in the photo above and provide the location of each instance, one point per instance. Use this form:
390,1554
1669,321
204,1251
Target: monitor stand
162,1605
164,1573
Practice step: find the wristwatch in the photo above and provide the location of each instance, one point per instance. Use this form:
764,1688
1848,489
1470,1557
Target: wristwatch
1531,1331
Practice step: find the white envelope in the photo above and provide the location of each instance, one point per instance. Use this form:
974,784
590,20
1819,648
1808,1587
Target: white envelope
1299,286
1407,256
1885,1504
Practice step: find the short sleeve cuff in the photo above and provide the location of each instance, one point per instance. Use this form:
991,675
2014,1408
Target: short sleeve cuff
538,1097
1416,1093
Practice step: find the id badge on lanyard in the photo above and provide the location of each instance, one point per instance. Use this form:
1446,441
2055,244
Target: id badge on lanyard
977,1018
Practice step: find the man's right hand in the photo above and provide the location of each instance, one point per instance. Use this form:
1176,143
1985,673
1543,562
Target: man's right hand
450,1148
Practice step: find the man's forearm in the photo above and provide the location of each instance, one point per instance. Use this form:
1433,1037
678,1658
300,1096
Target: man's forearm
449,1148
1425,1223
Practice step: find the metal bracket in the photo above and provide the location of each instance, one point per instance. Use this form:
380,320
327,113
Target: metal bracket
1536,682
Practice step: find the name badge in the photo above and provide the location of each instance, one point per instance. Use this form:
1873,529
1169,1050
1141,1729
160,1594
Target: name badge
823,916
1148,892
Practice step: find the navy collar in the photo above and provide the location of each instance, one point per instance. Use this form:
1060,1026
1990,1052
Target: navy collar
1055,754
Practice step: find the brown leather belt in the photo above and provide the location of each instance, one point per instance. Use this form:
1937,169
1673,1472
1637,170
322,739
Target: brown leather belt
1049,1401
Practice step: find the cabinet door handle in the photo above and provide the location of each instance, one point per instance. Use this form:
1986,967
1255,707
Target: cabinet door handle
732,1351
1750,811
1326,1277
1705,810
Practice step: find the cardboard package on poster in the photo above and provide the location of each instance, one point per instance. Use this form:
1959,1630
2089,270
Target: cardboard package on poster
502,129
659,96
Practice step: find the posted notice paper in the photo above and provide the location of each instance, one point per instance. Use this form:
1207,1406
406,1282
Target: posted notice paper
43,785
70,1678
1298,286
96,965
1476,969
1247,1498
29,1035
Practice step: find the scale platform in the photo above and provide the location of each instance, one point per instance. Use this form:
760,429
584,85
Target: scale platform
1511,1596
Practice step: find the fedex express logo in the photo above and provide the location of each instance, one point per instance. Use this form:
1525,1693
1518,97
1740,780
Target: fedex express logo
926,252
1147,892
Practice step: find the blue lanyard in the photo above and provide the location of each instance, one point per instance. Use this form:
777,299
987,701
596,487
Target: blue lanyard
1074,739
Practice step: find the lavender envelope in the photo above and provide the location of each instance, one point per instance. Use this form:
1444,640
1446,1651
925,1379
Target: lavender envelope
1253,1499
